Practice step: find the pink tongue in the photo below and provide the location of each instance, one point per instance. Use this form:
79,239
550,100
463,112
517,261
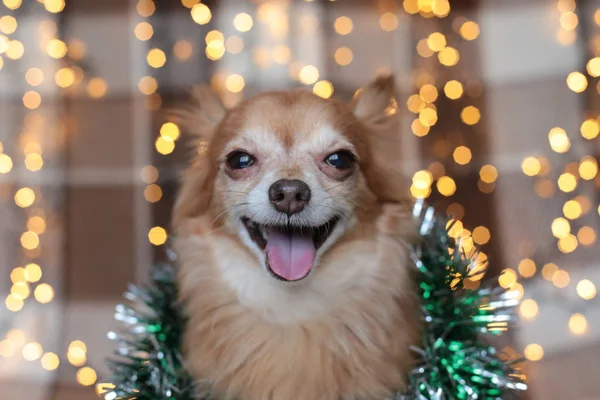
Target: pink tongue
291,255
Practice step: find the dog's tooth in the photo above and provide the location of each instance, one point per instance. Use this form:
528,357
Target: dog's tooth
263,232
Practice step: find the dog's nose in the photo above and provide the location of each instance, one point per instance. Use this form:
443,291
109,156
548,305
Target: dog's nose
289,196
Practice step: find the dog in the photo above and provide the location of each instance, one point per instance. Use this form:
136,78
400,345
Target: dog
293,248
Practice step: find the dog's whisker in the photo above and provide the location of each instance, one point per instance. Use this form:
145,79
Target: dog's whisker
227,210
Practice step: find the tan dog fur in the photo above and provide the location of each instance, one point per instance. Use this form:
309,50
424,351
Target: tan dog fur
344,331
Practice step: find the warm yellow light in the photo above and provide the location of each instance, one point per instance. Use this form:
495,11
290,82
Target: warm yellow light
33,272
143,31
343,25
422,179
488,173
507,278
453,89
534,352
470,115
323,89
428,93
7,348
531,166
428,116
569,21
411,6
419,193
586,289
343,56
481,235
18,275
577,82
34,162
567,182
418,129
446,186
77,355
449,56
50,361
24,197
54,6
153,193
578,324
462,155
561,278
586,236
64,77
32,99
235,45
182,50
593,66
436,41
6,164
157,235
527,268
560,228
12,4
590,128
235,83
20,290
588,168
528,309
149,174
243,22
78,344
32,351
148,85
215,50
415,104
145,8
43,293
86,376
56,48
455,228
548,271
309,74
423,49
164,145
156,58
8,24
388,22
440,8
189,3
201,14
469,30
171,130
15,50
572,209
13,303
97,87
559,141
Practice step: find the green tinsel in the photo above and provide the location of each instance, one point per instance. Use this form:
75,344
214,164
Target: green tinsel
454,362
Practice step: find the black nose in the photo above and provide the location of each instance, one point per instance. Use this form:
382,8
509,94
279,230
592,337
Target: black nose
289,196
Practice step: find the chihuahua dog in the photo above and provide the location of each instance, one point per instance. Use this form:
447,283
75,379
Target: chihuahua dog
292,238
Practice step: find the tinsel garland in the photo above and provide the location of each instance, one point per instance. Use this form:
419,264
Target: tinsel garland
455,363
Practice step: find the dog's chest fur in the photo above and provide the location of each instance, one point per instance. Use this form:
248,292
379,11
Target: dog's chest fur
341,336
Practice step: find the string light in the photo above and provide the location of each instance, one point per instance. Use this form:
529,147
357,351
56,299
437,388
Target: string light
143,31
388,22
343,56
201,14
578,324
323,89
453,89
577,82
235,83
343,25
86,376
586,289
534,352
43,293
462,155
309,74
243,22
157,235
528,309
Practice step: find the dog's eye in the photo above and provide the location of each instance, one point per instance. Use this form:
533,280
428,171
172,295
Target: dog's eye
239,160
342,159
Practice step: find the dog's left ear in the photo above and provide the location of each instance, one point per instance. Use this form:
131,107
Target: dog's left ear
201,116
375,102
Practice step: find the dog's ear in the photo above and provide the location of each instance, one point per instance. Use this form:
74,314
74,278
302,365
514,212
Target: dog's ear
375,103
376,107
200,118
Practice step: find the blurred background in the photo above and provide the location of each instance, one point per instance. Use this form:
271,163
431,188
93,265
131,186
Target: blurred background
499,102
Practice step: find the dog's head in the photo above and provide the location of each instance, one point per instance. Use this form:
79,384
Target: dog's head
289,173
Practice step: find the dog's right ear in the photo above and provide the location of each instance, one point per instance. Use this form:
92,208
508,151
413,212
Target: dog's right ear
200,118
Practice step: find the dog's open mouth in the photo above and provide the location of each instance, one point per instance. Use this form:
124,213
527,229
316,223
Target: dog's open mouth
290,251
